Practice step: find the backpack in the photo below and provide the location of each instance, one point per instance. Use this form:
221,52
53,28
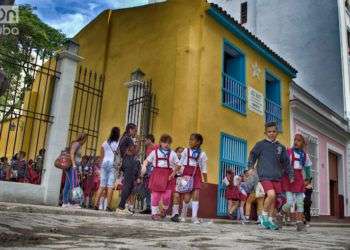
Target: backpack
63,161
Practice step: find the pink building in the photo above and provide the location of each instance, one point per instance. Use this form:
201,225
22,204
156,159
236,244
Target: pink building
328,137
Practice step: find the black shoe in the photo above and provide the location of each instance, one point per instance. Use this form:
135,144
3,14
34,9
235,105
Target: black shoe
108,209
96,208
147,211
175,218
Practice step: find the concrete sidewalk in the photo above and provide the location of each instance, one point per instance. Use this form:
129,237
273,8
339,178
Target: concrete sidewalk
27,208
40,227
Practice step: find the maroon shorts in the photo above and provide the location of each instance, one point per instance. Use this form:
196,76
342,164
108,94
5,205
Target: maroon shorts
272,185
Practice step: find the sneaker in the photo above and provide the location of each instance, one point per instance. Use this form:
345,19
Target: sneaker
175,218
76,206
195,221
300,226
272,225
182,219
264,222
156,217
307,224
96,208
162,214
108,209
131,210
147,211
123,211
66,205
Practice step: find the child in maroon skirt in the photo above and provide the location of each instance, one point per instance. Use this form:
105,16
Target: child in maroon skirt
88,179
234,195
164,162
301,164
193,163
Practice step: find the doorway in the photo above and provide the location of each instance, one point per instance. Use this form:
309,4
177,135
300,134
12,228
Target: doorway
335,199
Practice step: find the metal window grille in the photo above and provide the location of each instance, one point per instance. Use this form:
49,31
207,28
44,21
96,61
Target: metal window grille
25,107
233,94
86,109
273,113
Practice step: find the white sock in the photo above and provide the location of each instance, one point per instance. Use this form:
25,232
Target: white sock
270,219
105,204
184,210
195,206
241,210
100,207
155,210
175,210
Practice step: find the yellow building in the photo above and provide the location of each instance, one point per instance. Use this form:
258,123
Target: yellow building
209,75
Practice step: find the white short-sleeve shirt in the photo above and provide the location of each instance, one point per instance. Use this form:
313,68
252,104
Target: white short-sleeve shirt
202,160
108,151
162,163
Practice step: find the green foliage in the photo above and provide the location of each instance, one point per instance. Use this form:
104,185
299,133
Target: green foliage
34,42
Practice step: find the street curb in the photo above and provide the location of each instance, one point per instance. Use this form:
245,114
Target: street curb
28,208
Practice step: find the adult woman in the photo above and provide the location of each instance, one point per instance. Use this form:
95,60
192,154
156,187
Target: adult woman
108,169
72,172
130,165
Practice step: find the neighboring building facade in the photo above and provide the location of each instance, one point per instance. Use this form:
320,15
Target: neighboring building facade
314,37
209,75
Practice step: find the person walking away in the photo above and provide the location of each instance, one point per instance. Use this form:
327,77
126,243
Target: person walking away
130,165
72,172
272,160
164,161
108,169
301,164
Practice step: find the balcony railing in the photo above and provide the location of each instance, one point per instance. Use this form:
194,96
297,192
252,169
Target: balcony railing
233,94
273,113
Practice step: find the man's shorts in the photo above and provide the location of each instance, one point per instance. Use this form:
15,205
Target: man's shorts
272,185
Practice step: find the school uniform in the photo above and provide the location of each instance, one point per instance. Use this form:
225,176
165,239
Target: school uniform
194,163
235,192
300,162
164,162
272,162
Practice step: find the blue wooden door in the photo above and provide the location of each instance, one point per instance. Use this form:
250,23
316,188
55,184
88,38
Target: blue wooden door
233,155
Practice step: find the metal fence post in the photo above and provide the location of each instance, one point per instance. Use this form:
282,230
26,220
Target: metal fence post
61,111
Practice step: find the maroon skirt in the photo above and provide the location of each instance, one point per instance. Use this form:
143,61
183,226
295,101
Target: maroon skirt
197,178
297,186
232,193
159,179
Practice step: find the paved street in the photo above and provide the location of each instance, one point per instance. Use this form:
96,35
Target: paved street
59,229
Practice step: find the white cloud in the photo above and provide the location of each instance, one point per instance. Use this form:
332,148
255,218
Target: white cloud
69,24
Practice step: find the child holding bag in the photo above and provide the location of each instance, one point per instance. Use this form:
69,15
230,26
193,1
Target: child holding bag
193,165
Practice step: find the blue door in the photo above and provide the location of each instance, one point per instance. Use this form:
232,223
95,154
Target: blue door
233,155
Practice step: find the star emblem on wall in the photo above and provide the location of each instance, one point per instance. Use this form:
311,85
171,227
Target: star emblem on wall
256,70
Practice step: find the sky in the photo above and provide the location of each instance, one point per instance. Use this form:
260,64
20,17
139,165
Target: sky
70,16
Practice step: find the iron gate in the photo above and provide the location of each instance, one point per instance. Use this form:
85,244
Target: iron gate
86,110
25,106
142,110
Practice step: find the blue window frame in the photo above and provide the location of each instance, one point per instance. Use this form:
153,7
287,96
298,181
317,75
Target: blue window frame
273,108
233,155
233,79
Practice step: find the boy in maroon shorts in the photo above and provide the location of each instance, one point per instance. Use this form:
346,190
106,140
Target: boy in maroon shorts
272,161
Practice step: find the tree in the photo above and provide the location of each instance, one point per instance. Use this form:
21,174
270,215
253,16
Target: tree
35,39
